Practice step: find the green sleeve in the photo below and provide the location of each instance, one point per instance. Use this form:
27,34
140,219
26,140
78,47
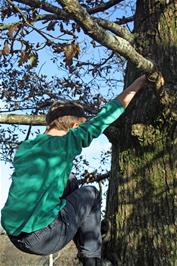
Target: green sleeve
95,126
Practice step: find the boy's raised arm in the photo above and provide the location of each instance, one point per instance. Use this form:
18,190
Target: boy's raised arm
127,95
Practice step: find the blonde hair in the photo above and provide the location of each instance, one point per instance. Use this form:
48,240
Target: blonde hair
62,115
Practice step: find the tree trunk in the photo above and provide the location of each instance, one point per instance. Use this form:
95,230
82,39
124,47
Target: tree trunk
141,194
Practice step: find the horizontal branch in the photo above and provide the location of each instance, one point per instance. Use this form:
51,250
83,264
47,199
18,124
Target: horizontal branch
22,119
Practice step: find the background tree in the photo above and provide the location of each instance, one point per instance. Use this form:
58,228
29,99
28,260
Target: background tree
141,197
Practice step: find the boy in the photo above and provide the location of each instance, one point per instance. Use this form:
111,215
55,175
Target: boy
39,216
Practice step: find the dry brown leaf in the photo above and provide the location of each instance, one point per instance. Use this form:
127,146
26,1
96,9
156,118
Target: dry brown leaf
11,31
6,49
72,50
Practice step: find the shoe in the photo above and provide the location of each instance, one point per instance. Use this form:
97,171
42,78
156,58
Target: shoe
92,262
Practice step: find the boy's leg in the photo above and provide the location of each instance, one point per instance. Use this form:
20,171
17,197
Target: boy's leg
78,220
83,213
27,242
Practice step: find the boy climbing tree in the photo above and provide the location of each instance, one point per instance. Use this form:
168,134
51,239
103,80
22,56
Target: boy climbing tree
44,209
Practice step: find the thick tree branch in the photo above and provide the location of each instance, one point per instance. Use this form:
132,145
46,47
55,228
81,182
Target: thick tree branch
115,43
22,119
115,28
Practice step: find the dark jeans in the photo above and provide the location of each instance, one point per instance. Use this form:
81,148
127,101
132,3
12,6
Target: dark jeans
79,220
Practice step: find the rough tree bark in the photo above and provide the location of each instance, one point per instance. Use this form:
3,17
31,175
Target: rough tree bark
141,195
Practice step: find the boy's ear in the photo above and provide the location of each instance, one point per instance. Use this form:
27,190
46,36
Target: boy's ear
74,125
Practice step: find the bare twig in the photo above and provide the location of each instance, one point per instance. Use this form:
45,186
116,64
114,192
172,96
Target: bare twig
27,22
47,7
93,177
125,20
115,28
103,7
96,65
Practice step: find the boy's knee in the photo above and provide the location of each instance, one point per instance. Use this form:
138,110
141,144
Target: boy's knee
71,186
73,180
94,191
